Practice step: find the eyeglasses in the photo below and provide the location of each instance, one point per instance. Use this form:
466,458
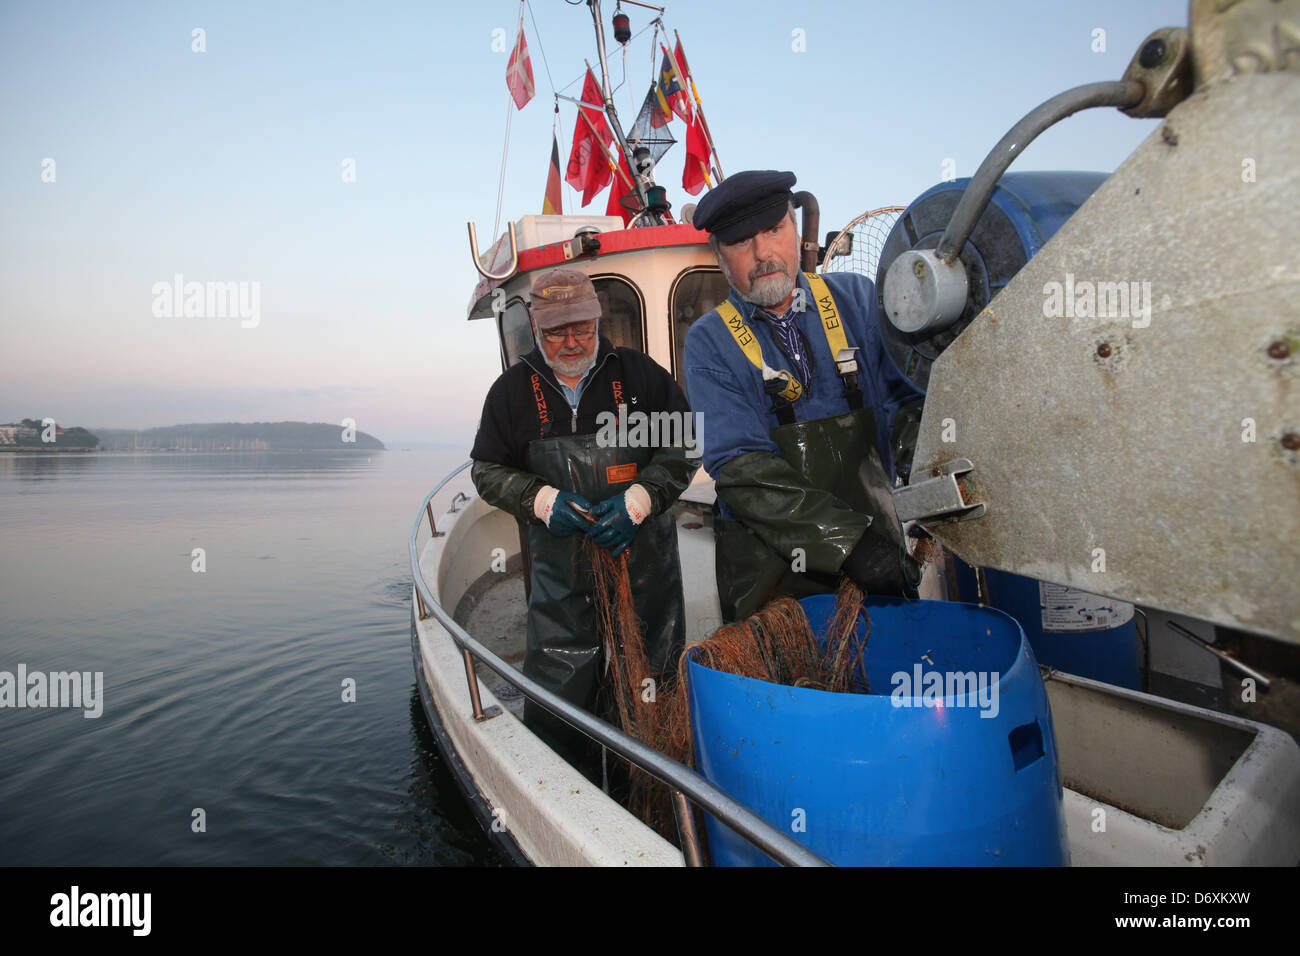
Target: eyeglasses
583,333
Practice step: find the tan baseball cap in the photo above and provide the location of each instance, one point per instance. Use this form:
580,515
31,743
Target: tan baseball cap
561,296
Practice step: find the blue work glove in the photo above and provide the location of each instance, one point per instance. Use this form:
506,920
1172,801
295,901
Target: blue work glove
564,520
614,528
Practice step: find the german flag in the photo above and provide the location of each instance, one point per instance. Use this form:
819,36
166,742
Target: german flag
551,205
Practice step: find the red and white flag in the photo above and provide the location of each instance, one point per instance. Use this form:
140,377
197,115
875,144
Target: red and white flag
589,168
519,72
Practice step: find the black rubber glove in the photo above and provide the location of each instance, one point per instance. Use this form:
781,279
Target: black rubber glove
879,566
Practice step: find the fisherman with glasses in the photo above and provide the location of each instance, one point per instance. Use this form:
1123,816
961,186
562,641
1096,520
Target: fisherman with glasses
542,456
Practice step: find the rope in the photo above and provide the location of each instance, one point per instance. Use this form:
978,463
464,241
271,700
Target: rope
510,115
540,49
505,151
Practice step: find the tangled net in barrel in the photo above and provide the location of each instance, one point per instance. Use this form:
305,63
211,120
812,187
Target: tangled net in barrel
775,644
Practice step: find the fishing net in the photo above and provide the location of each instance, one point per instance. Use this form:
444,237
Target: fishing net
776,644
857,247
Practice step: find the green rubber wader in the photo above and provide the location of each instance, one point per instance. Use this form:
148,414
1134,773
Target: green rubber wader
564,644
837,455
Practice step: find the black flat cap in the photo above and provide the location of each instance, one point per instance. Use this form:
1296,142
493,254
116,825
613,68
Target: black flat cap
742,204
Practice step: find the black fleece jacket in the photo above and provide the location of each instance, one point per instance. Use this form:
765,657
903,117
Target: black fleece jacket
526,402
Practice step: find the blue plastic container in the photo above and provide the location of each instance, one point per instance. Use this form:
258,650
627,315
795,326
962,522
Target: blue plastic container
905,775
1089,649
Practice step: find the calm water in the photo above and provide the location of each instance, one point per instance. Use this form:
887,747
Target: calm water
222,689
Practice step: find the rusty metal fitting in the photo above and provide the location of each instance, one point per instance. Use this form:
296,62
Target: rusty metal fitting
1163,64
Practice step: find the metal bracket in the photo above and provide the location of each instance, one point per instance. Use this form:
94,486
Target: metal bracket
455,502
481,713
583,244
946,493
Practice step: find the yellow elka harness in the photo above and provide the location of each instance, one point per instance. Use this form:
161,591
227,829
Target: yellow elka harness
830,316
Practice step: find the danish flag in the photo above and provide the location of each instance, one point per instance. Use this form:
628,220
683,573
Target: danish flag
519,72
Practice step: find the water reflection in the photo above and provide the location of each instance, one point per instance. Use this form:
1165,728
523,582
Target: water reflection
222,688
443,831
43,466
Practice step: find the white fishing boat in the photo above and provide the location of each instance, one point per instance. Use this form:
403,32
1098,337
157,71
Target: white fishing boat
1174,783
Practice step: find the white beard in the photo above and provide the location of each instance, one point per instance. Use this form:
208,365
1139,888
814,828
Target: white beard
576,368
766,291
769,290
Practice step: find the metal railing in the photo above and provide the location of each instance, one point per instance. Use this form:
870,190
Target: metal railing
685,781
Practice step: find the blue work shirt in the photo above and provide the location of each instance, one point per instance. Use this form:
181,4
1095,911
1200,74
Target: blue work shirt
786,330
574,395
727,388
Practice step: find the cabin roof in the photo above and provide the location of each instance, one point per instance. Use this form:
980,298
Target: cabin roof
553,254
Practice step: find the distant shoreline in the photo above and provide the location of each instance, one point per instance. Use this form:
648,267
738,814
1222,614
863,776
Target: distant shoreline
46,449
43,436
16,449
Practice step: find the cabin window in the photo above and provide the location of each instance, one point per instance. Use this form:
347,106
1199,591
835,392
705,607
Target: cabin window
620,312
696,292
516,332
621,320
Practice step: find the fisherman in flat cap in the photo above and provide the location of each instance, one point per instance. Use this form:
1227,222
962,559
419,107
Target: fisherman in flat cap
799,398
543,454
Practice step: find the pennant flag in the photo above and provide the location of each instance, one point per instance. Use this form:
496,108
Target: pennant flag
680,59
672,97
588,168
519,71
695,172
551,205
622,195
595,113
699,142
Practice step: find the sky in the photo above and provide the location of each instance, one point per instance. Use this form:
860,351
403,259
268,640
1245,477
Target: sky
130,157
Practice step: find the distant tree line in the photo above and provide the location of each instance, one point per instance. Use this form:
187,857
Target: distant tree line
28,432
241,436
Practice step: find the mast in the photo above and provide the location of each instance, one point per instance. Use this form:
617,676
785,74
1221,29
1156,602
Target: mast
617,127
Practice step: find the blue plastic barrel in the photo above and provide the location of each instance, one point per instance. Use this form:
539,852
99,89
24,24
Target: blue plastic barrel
915,773
1100,644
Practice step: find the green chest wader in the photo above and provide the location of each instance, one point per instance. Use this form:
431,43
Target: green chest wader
564,643
836,454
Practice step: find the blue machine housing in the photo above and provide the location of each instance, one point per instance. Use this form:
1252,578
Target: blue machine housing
908,774
1024,212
